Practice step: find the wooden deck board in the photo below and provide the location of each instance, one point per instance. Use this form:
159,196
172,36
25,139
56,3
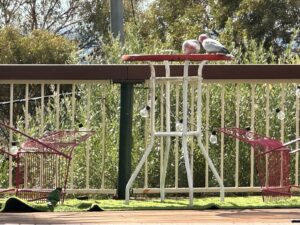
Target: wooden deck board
249,216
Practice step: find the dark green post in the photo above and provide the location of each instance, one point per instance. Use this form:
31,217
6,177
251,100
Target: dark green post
125,140
116,19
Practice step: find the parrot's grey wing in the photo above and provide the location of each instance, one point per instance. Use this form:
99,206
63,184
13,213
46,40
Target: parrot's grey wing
213,46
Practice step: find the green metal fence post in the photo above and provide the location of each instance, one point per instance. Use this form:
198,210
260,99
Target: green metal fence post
125,140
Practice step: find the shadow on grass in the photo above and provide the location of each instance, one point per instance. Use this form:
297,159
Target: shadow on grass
16,205
73,205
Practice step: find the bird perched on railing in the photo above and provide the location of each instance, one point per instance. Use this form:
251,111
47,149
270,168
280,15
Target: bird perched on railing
212,46
53,198
191,46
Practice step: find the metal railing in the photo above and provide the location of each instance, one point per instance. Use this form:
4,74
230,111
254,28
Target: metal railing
35,106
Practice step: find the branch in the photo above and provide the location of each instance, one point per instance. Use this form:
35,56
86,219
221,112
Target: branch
49,12
33,14
65,26
9,13
65,17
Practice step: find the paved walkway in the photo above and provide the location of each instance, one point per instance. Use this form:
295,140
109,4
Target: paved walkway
255,216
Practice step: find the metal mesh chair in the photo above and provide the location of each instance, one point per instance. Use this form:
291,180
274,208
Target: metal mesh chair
40,164
272,160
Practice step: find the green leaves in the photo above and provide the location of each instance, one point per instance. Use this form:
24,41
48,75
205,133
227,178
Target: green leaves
39,47
268,23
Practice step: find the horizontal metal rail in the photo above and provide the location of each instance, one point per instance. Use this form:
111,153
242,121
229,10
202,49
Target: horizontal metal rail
196,190
176,133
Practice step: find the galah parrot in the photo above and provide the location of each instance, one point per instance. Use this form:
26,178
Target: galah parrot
191,46
212,46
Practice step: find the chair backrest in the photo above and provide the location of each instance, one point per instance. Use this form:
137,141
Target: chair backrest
273,165
272,161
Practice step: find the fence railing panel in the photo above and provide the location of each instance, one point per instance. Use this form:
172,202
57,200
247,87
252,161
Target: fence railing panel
56,105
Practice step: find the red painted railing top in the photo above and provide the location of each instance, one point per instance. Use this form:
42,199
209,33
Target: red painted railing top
176,57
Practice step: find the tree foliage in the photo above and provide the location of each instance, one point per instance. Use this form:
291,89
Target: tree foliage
94,22
270,23
38,47
265,21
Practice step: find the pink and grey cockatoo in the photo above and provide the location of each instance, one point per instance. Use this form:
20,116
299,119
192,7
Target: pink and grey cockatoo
191,46
212,46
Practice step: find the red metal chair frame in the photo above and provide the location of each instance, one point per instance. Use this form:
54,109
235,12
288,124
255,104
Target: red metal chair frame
54,149
272,159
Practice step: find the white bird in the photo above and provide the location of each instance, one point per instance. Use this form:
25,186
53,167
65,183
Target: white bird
211,45
191,46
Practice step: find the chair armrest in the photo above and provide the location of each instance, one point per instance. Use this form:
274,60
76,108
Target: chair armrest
288,143
295,150
291,142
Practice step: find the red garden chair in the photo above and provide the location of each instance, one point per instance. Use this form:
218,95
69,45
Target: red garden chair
272,160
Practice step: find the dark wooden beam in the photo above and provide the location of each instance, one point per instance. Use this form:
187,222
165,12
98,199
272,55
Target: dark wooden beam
139,73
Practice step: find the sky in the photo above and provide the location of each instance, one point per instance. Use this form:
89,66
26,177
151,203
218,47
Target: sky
145,4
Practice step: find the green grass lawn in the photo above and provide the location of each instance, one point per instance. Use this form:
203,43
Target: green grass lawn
72,205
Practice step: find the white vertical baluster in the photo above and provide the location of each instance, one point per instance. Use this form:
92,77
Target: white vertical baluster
42,109
41,131
73,106
88,118
207,113
146,133
26,107
297,143
237,142
57,107
57,125
73,102
11,123
192,127
282,94
282,131
222,134
252,126
176,139
268,88
162,147
168,129
103,116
